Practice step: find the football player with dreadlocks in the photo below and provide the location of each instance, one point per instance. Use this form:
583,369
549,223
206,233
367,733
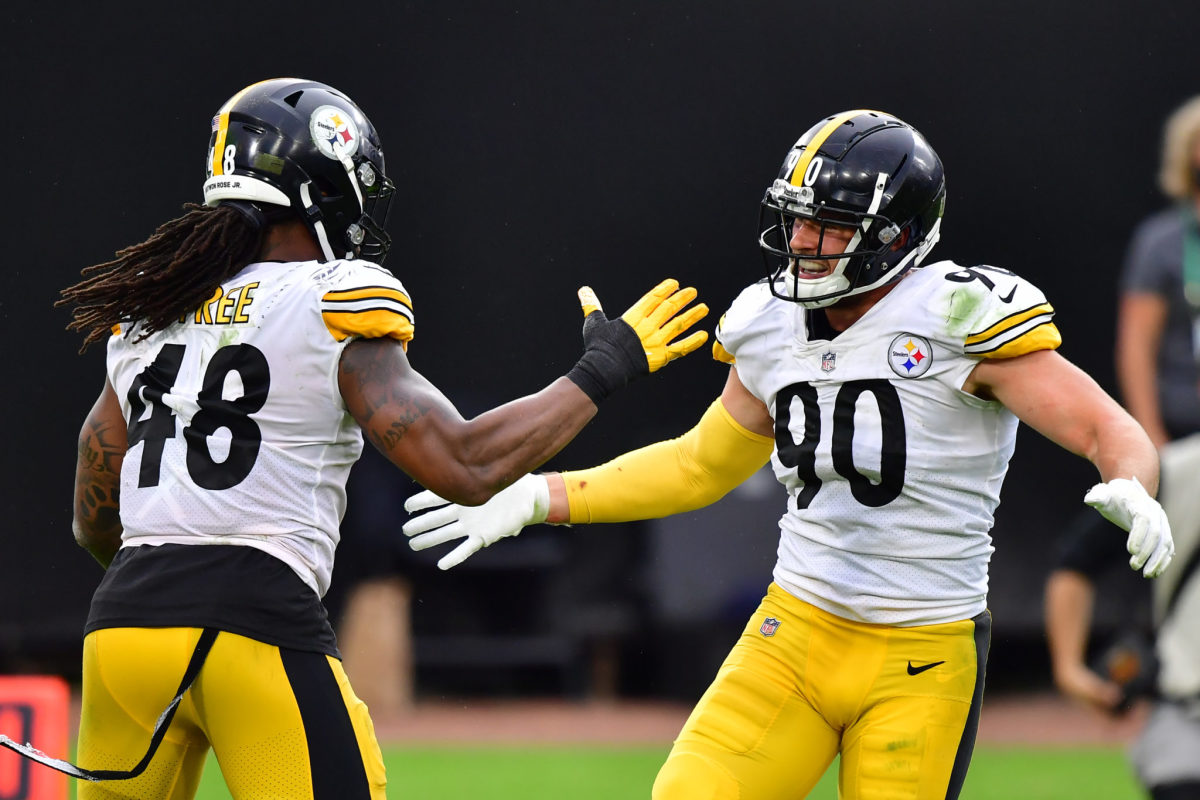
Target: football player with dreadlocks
251,342
886,396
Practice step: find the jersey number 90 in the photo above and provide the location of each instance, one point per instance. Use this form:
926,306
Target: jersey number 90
802,456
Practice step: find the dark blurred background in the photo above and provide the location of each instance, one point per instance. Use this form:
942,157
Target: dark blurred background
541,146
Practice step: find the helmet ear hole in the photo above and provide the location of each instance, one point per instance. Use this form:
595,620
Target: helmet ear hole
326,188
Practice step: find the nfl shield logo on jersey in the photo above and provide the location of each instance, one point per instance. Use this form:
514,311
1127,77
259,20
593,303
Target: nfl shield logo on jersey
769,626
828,361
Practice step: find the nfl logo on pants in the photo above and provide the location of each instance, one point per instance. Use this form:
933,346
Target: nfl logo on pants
769,626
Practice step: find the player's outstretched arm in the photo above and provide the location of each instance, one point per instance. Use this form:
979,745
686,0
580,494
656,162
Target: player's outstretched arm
1060,401
726,446
468,461
97,518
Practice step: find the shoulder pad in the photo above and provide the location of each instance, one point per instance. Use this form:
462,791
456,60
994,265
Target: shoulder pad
736,323
998,313
363,299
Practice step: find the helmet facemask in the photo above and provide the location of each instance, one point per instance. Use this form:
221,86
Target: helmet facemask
361,219
880,251
369,235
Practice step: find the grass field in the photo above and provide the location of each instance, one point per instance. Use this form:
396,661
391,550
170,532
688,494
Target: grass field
497,773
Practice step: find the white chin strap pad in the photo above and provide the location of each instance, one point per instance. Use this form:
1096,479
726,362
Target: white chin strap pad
318,226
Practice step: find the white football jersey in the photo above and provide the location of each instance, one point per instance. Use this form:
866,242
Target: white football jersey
892,471
237,430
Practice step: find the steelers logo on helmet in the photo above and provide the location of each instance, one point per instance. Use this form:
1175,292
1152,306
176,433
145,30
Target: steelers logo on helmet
909,355
333,132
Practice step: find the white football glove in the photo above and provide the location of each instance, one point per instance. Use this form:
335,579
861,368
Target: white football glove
1125,503
526,502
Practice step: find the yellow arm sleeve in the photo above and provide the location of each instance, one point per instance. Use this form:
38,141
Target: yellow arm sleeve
672,476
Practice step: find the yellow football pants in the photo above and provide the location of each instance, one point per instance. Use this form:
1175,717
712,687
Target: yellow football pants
283,723
901,705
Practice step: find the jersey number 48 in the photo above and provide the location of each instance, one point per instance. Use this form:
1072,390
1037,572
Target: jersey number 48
214,413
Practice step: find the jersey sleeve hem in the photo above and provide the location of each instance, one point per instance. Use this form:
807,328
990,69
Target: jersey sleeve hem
369,312
1020,332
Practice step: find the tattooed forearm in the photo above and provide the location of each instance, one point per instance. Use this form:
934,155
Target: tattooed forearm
407,413
418,429
98,505
102,448
97,523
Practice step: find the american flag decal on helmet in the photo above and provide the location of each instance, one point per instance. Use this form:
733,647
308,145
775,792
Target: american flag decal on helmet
769,626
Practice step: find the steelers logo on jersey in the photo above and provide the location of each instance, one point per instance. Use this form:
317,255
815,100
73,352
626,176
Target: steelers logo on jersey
910,355
333,132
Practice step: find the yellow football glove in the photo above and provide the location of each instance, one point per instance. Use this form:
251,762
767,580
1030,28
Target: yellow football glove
653,318
640,342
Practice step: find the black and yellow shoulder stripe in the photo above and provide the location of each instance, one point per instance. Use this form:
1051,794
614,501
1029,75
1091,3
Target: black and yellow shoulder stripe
368,311
1018,333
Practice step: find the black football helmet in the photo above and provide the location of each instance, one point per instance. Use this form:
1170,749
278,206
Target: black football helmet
302,144
863,169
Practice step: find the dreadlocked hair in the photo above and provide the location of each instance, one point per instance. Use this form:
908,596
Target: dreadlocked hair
165,277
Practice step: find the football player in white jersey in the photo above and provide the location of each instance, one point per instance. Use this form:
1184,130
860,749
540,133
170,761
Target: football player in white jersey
886,396
250,342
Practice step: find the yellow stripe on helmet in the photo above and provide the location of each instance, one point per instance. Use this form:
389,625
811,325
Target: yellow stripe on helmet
814,144
218,147
218,150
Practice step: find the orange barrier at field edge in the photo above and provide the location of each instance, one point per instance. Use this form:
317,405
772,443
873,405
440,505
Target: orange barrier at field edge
34,709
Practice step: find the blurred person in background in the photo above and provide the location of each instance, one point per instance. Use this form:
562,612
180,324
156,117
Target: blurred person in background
1157,357
251,343
887,397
